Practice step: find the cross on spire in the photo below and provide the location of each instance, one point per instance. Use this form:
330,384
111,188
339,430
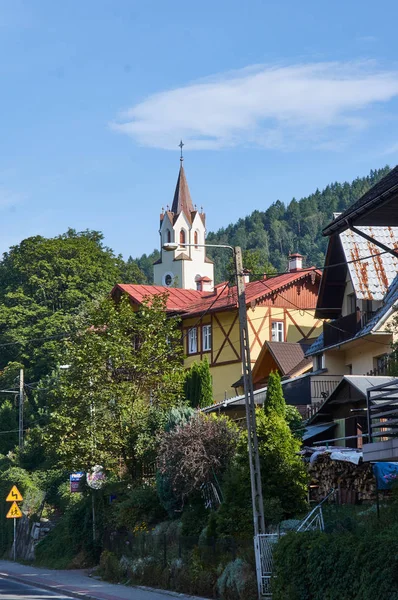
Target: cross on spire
181,145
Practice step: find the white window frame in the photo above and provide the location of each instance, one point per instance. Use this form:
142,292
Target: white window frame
206,338
278,331
192,340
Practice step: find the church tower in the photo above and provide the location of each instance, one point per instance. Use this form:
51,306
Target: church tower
187,267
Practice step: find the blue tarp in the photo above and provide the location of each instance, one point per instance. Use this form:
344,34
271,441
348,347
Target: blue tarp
386,473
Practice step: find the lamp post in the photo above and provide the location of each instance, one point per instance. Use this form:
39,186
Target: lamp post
254,459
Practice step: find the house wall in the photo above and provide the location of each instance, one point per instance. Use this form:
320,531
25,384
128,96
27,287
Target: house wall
335,362
359,357
225,357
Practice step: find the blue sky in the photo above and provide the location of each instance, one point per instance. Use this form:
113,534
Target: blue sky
272,100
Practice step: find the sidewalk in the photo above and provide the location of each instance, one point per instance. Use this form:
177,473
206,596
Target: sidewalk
78,584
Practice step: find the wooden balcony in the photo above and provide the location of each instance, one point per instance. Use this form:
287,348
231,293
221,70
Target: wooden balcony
345,328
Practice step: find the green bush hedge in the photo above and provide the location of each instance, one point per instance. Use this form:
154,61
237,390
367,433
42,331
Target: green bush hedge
348,565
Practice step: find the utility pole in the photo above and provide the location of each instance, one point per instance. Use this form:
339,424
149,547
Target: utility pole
254,460
21,401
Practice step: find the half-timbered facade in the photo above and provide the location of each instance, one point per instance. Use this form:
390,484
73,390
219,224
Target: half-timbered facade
279,309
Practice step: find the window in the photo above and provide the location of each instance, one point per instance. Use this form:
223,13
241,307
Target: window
199,286
182,237
381,363
168,279
168,236
192,340
206,338
277,331
319,362
196,239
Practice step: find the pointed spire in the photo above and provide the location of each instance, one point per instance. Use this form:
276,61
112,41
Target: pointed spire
182,201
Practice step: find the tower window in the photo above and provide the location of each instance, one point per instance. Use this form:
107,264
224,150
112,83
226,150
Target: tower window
196,239
168,236
168,279
182,237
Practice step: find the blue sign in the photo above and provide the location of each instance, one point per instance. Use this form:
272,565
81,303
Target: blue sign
74,481
386,474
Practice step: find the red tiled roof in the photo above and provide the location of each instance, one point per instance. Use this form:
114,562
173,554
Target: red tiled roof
192,302
177,299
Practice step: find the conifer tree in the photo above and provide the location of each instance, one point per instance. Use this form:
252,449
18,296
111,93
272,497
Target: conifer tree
275,402
198,385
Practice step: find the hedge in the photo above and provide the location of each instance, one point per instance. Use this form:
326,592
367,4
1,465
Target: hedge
354,565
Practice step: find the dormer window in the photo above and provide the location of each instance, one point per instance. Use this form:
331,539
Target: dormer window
182,237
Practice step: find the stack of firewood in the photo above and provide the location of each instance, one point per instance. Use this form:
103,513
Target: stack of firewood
355,483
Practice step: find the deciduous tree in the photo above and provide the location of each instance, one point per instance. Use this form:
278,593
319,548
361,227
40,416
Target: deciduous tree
125,368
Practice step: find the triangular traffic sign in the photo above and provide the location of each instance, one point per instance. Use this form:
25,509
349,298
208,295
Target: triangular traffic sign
14,512
14,495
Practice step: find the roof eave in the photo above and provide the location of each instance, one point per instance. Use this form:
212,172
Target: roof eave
345,221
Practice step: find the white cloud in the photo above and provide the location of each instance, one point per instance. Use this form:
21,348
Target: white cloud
265,106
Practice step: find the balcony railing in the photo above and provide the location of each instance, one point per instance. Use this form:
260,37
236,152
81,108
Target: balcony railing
345,328
382,405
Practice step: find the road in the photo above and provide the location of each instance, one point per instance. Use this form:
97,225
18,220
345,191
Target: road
12,590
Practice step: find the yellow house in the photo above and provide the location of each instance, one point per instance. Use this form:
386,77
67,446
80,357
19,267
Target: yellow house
279,309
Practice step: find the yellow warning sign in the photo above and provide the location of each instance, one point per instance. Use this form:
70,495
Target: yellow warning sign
14,495
14,512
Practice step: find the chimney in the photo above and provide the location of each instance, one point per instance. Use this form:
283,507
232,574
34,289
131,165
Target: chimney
246,276
295,262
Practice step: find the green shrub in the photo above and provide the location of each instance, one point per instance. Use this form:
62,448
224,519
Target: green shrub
141,507
109,567
350,565
237,582
73,535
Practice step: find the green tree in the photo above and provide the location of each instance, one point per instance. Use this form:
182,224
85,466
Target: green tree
283,475
198,385
43,284
119,360
274,401
8,427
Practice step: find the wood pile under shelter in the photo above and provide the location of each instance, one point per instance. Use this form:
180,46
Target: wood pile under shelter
355,483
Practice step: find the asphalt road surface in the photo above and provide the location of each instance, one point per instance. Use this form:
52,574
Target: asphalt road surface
12,590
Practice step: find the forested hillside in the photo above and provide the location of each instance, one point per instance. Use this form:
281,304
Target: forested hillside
269,235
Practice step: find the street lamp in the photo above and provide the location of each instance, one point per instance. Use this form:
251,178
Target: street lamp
254,459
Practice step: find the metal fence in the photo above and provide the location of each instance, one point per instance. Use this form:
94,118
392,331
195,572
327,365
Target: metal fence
165,547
